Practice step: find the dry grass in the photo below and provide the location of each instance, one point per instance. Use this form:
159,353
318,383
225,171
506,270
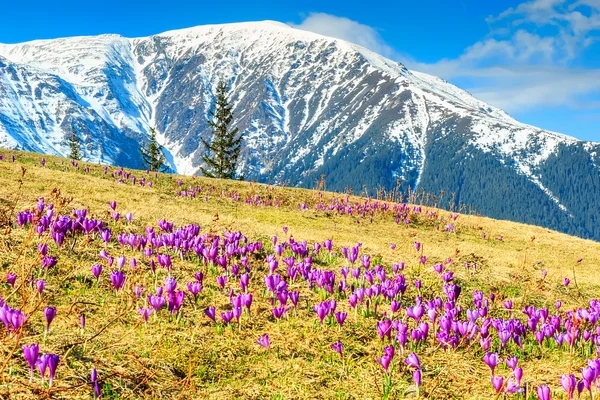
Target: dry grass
193,358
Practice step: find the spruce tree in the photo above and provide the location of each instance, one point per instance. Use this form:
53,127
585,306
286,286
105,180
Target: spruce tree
152,155
74,145
224,149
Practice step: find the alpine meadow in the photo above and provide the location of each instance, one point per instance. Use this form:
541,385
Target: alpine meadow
255,211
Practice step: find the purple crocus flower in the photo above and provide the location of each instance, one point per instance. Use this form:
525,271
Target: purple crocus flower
175,301
340,317
53,360
82,318
11,278
145,312
244,282
170,284
49,313
31,354
543,392
94,380
566,281
40,284
589,376
417,377
321,310
227,317
569,383
294,298
121,260
105,235
211,313
386,359
43,249
497,383
413,361
118,280
222,281
113,205
264,341
491,359
278,312
138,290
337,347
42,364
156,301
194,288
97,270
511,362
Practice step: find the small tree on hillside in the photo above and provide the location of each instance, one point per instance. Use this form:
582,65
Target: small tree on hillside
74,145
152,155
224,149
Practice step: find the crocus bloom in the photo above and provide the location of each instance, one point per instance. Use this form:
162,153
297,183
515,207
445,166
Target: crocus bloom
94,380
49,313
264,341
569,383
511,362
11,279
491,359
118,280
53,360
567,281
386,359
497,383
417,377
170,284
121,260
31,354
337,347
211,313
42,364
175,301
82,322
543,392
194,288
40,285
589,375
145,312
413,361
222,281
138,290
340,317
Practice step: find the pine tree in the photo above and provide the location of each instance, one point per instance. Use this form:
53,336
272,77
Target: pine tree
75,145
152,155
224,149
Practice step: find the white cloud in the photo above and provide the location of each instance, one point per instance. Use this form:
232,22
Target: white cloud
346,29
525,62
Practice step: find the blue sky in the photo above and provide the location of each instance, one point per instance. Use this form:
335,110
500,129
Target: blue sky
539,60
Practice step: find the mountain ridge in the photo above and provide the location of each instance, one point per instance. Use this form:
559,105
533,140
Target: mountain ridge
308,105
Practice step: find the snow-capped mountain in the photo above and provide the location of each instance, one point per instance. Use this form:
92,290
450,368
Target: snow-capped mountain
308,105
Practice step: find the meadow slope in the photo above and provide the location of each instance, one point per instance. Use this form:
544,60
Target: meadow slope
182,353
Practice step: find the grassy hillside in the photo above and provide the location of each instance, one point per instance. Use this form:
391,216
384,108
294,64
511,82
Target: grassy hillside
185,354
